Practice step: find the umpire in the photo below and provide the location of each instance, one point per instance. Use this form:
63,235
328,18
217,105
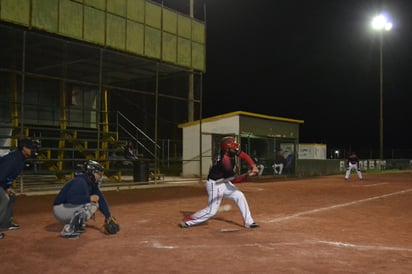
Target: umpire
11,165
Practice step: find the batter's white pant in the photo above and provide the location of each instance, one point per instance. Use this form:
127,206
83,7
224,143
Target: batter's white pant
349,169
216,193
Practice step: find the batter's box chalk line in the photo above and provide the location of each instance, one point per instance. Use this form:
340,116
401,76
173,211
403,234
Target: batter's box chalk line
224,230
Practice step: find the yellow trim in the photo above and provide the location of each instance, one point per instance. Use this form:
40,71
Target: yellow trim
239,113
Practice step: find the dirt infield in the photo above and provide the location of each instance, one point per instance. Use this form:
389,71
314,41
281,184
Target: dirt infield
319,225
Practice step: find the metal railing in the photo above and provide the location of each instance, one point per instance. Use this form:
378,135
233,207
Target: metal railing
124,124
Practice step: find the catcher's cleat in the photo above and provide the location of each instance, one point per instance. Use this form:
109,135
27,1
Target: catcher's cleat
81,229
183,225
72,236
69,233
253,225
2,235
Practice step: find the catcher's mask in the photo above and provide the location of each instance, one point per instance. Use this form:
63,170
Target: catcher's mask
229,145
92,167
33,145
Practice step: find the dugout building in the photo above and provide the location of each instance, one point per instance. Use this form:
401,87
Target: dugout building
84,76
262,133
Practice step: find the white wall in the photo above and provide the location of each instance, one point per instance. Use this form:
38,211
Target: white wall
191,158
312,151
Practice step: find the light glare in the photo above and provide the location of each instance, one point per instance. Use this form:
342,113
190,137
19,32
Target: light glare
388,26
380,22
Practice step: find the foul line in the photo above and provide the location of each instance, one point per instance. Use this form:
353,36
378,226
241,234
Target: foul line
336,206
272,245
364,247
378,184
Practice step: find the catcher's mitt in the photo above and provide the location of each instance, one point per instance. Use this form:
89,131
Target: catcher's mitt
111,226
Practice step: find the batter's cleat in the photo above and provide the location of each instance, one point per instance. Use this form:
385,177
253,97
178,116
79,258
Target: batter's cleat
252,225
2,235
183,225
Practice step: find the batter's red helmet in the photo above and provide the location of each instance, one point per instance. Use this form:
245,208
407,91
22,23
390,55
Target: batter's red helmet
229,143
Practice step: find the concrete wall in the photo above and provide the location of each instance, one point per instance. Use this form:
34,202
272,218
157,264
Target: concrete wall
191,158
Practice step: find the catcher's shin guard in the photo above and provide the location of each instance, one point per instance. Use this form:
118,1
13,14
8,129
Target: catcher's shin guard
81,216
89,210
77,222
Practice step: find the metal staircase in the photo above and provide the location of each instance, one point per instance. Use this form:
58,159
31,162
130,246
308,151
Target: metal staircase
64,148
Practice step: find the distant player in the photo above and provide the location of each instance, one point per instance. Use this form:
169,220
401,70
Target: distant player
255,159
279,163
353,163
223,167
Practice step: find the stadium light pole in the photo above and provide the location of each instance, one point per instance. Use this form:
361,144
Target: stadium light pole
381,24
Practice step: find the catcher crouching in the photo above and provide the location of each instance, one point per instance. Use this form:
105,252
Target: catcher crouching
78,201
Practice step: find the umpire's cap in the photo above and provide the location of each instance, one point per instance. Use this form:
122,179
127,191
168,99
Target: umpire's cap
33,145
26,142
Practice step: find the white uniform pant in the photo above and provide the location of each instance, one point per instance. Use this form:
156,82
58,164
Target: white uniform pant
277,169
261,168
216,193
355,167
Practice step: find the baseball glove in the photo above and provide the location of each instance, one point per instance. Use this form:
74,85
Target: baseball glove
111,226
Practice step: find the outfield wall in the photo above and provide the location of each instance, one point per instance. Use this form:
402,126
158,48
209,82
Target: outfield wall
338,166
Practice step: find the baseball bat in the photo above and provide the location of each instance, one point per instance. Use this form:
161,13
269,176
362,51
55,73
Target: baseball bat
225,180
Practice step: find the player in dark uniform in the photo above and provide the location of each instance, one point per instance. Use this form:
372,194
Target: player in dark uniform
11,165
223,167
353,163
79,199
255,159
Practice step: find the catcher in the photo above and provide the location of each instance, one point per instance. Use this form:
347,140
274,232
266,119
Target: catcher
78,201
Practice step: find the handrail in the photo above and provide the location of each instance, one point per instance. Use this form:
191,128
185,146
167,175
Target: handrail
130,123
136,127
136,140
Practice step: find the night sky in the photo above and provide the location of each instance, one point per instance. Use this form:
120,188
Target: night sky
317,61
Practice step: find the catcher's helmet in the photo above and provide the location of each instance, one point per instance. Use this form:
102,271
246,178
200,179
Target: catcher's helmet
91,167
229,144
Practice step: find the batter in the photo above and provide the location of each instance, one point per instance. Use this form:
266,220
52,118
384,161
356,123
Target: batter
223,167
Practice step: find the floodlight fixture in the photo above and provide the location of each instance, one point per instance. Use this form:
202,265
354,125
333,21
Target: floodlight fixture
381,22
